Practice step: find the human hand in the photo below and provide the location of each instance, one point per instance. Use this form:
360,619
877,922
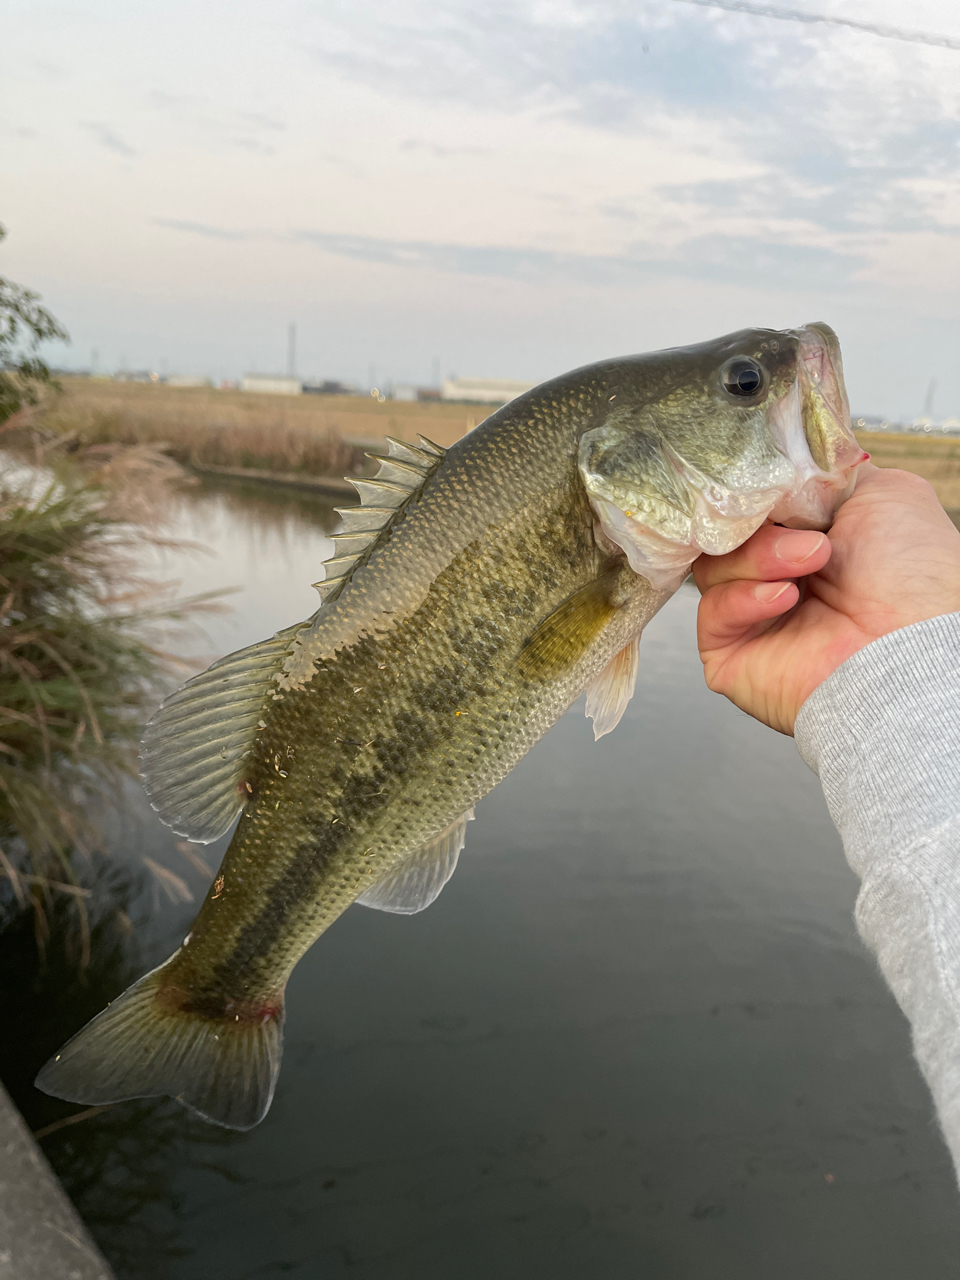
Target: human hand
891,558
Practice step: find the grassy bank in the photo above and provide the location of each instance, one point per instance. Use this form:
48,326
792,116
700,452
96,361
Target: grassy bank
936,458
308,435
328,435
80,660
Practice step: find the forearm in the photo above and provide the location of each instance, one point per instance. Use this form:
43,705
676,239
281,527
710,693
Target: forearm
883,733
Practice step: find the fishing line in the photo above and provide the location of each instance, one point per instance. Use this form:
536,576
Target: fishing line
797,15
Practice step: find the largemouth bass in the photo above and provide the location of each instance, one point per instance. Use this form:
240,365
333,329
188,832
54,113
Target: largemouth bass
473,596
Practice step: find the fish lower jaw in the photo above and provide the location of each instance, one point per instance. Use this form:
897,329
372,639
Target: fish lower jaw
662,548
814,504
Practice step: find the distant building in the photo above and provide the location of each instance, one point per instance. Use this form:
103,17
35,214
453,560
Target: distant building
271,384
187,380
483,390
329,387
407,391
136,375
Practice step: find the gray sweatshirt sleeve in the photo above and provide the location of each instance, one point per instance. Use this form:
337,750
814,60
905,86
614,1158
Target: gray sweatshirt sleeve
883,733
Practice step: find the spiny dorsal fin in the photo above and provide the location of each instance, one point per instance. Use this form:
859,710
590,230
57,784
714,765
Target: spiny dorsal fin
194,747
364,519
426,446
402,475
420,877
613,688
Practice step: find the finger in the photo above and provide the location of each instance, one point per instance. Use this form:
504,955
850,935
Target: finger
772,554
734,611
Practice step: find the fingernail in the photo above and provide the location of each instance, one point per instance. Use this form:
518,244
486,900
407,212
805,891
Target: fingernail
798,545
767,592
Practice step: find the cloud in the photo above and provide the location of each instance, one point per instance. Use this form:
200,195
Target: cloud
218,126
740,260
108,138
618,211
258,121
442,152
202,229
839,118
935,39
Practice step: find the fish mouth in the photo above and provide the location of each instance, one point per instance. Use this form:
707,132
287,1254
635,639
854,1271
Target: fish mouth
810,425
821,370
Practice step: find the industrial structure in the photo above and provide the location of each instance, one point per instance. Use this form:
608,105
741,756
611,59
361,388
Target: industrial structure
273,384
483,390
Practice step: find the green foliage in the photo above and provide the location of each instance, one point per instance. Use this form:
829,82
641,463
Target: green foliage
76,663
24,324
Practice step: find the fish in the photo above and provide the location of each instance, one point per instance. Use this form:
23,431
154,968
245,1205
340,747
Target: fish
473,595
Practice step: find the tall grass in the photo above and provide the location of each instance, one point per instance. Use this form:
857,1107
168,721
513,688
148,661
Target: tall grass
936,458
267,442
79,656
297,435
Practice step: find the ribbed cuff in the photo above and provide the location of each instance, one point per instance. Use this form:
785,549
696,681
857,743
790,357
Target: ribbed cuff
883,733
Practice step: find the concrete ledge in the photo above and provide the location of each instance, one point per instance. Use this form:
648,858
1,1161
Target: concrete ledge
41,1234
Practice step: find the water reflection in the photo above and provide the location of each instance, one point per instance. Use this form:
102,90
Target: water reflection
634,1036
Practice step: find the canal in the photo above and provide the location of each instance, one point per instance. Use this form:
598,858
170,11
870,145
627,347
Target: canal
635,1036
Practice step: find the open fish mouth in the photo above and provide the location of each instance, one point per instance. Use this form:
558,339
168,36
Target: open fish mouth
790,457
811,425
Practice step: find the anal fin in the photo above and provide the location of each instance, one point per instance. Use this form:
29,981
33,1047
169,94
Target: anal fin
608,695
420,877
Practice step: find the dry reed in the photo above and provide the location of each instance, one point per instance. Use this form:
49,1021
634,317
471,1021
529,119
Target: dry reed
293,435
936,458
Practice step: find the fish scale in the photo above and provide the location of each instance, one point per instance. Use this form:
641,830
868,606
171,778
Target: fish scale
440,736
472,597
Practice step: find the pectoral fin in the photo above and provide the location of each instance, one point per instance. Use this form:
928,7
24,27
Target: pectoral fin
613,688
420,877
566,634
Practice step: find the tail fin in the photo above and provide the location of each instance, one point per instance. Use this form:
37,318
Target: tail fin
224,1068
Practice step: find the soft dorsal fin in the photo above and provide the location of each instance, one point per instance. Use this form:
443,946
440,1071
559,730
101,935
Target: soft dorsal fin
613,688
402,475
194,747
193,750
420,877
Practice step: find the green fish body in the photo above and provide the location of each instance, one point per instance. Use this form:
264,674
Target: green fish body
473,596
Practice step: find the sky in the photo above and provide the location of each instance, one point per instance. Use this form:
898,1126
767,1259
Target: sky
508,189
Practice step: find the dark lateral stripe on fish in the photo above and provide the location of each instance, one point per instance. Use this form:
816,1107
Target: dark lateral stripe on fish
262,932
299,875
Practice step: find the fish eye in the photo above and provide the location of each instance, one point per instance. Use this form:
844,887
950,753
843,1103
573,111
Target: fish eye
743,377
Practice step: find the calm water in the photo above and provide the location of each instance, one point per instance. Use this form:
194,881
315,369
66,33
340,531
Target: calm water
635,1036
